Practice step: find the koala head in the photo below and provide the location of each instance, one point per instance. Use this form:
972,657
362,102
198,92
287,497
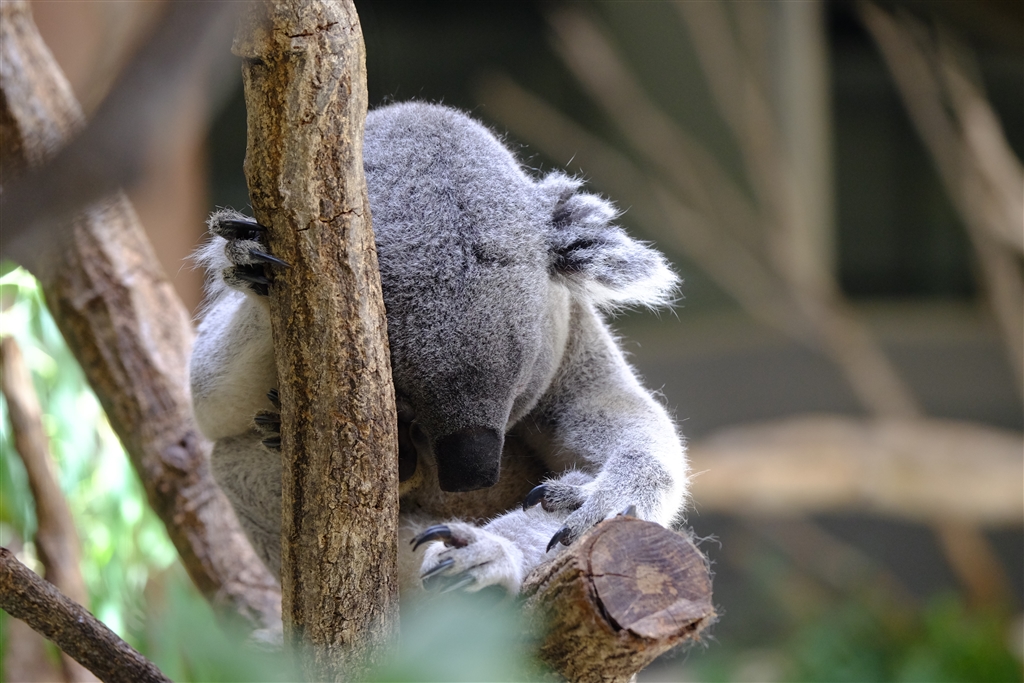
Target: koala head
479,265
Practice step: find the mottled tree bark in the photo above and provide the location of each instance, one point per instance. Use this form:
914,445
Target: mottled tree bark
130,333
305,85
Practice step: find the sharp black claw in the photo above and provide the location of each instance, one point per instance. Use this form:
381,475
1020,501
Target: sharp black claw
275,398
268,419
250,276
438,532
267,258
238,228
437,569
459,583
535,496
273,443
629,511
561,536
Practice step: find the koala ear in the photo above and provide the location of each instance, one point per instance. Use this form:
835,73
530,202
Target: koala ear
595,258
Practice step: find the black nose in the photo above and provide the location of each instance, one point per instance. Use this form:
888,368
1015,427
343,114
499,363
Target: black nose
469,459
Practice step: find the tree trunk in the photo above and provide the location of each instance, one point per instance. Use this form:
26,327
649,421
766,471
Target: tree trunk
131,335
305,86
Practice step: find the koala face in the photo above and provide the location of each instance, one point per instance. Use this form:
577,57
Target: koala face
465,276
478,264
463,362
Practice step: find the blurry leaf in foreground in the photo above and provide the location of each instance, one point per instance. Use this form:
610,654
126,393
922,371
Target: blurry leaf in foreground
187,643
461,637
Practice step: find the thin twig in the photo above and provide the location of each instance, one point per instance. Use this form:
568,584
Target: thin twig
38,603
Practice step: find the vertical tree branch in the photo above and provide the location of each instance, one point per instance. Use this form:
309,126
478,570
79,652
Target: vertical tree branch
131,335
56,537
305,84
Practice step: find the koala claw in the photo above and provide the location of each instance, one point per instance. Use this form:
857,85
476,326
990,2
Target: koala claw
267,423
468,558
268,420
437,569
563,536
236,228
536,495
438,532
274,396
267,258
457,584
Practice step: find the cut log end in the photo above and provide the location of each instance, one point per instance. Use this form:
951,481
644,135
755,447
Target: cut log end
624,593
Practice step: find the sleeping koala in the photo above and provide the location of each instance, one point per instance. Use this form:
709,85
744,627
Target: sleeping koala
520,423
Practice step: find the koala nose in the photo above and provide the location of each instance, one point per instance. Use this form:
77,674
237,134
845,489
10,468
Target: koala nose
469,459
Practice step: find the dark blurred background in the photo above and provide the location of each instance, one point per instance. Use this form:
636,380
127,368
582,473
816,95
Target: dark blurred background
803,178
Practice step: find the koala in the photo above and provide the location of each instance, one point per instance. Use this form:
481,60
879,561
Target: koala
521,424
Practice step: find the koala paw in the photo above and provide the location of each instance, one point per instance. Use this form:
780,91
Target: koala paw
468,558
267,423
246,252
585,507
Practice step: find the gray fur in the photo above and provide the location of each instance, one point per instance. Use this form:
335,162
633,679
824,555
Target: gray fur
493,283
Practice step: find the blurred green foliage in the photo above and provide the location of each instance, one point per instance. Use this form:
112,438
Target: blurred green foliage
861,638
136,586
122,540
945,641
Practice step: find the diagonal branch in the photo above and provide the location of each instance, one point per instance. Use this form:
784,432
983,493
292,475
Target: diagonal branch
25,596
72,164
976,164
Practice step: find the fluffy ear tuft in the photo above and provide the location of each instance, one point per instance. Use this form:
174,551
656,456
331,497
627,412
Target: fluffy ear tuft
597,259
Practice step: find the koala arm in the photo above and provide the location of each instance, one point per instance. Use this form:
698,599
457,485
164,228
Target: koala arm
232,365
598,418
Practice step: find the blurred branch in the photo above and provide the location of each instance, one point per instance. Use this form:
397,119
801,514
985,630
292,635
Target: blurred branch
56,538
921,470
108,153
131,335
735,268
788,287
784,212
38,603
976,164
624,593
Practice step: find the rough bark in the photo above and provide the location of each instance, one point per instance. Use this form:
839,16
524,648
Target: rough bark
305,85
38,603
131,335
26,652
624,593
56,538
